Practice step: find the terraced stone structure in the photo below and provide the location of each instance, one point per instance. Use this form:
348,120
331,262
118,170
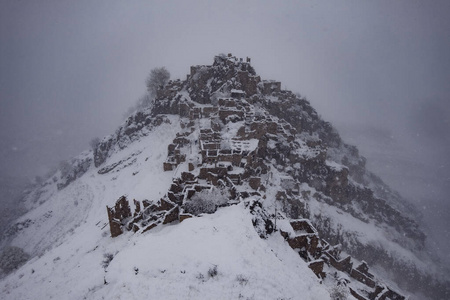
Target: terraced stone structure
257,143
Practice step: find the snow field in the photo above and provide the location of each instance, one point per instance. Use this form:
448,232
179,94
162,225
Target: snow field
172,262
179,262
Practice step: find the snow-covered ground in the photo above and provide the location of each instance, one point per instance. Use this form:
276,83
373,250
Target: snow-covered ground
218,256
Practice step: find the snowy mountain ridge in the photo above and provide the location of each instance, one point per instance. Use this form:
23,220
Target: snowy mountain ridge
222,131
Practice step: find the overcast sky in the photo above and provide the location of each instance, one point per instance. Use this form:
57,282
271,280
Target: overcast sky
378,70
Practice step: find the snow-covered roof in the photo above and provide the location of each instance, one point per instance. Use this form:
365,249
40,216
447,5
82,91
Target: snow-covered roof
234,91
246,145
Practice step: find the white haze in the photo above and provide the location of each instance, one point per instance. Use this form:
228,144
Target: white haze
379,71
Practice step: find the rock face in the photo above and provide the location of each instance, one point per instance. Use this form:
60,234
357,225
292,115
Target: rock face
70,171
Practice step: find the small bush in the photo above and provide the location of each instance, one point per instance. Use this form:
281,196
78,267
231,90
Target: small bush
198,205
206,201
339,292
242,279
212,272
200,276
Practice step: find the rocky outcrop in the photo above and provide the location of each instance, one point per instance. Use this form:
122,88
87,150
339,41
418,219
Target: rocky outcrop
135,127
250,138
72,170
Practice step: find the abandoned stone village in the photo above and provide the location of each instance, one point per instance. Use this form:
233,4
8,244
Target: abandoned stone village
238,133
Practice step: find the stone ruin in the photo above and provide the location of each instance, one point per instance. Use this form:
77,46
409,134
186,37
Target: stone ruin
118,215
241,164
303,238
317,252
142,220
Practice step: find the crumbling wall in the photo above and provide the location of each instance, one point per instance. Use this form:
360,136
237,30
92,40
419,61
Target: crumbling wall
121,219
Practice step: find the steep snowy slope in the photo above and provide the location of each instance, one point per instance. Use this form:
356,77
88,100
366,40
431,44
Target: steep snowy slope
226,187
74,248
57,212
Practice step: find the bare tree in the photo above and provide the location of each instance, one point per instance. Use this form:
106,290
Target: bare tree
157,79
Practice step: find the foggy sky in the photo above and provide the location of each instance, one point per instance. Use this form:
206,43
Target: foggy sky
379,71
